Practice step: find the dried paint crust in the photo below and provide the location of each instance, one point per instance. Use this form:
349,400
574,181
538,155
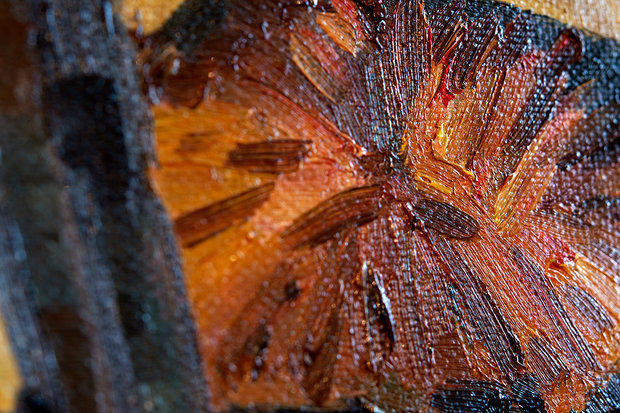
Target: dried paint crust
398,205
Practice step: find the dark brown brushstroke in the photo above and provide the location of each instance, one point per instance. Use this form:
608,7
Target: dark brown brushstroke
450,26
352,207
320,347
65,327
601,128
550,80
445,219
255,348
321,358
248,338
472,51
598,209
203,223
271,156
480,310
379,325
543,290
548,363
595,316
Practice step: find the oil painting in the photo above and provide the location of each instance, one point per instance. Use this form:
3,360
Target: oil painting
318,205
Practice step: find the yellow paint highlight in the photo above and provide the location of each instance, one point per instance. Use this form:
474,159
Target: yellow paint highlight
10,380
404,146
441,140
467,172
150,14
426,179
440,145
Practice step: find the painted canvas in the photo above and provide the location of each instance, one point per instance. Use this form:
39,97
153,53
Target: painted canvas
400,205
310,205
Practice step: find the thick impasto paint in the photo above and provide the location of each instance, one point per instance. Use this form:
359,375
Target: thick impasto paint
399,205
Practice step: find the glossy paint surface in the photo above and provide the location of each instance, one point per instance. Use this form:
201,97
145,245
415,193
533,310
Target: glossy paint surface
400,205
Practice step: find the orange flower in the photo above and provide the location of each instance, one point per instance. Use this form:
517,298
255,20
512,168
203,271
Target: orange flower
398,207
